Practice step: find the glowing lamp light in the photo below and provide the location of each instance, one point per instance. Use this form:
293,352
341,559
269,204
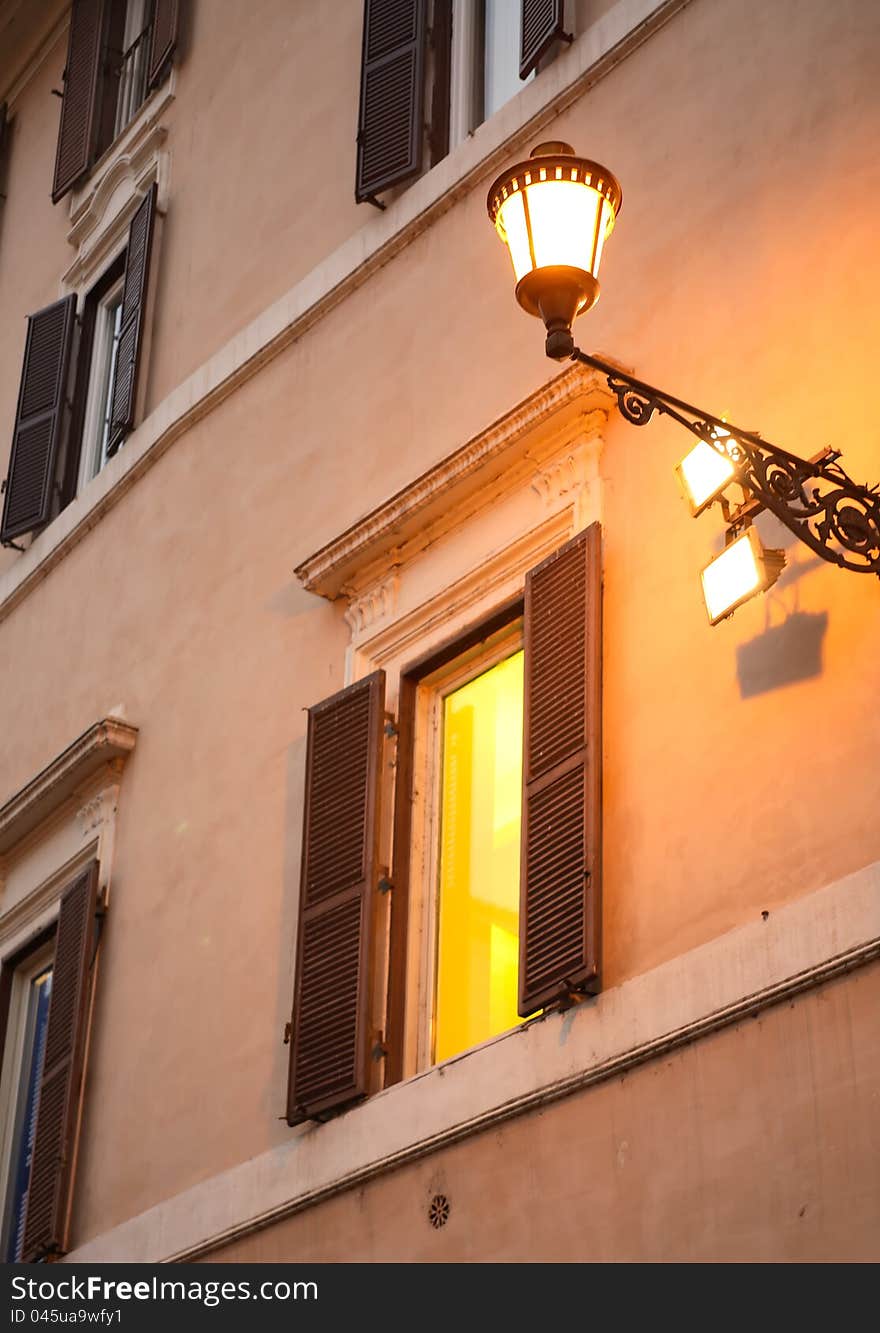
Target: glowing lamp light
554,214
743,569
704,473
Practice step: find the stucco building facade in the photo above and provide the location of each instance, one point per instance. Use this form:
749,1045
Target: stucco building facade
293,442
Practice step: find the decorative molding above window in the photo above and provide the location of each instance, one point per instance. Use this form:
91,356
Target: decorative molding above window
454,546
538,435
108,742
102,208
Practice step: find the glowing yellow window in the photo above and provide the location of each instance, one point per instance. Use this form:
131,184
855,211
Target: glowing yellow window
478,928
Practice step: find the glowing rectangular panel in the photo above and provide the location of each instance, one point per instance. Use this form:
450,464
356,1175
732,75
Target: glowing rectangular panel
478,919
704,473
742,569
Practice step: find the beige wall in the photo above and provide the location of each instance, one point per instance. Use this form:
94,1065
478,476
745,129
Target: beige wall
743,274
708,1155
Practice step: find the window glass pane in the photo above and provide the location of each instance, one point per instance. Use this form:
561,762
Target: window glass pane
501,81
481,800
105,345
114,324
39,993
133,71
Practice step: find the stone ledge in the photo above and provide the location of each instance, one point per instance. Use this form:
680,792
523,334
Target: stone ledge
106,741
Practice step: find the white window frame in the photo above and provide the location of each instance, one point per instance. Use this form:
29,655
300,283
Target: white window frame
96,423
463,67
466,75
15,1049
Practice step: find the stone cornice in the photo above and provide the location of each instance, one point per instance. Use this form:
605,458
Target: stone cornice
576,402
106,741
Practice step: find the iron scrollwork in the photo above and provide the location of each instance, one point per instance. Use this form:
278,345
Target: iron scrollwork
815,498
637,407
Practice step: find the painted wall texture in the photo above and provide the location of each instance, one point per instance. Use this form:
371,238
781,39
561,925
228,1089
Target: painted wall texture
740,763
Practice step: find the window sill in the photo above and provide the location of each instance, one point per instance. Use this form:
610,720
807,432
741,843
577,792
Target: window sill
592,55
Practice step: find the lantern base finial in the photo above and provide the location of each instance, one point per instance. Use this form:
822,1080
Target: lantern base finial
560,342
557,293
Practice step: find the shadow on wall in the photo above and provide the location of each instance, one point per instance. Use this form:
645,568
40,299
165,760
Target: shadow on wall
783,654
790,651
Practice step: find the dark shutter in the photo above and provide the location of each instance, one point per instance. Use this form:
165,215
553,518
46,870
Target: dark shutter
134,296
80,105
329,1047
50,1192
4,139
389,142
561,867
441,54
542,23
39,419
163,40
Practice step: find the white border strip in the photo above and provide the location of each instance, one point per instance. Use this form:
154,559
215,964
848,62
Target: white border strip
590,58
798,947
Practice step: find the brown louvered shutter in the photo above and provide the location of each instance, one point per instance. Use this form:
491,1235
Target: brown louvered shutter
330,1030
134,295
50,1194
389,141
4,140
542,23
39,419
163,40
79,107
561,865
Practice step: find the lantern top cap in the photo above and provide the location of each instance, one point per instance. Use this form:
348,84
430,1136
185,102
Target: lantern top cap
553,160
553,148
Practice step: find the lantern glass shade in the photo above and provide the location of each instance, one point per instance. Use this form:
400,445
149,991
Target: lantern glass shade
555,222
554,214
743,569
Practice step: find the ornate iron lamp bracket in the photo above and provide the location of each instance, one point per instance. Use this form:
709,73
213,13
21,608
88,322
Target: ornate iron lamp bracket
815,499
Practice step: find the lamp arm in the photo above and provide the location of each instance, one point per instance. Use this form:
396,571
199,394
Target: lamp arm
814,498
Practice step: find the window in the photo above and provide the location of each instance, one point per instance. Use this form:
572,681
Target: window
118,52
497,749
485,62
56,839
135,17
47,991
433,70
78,398
24,1047
478,791
102,324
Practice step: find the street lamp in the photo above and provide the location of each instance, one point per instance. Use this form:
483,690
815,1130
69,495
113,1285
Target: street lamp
554,213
